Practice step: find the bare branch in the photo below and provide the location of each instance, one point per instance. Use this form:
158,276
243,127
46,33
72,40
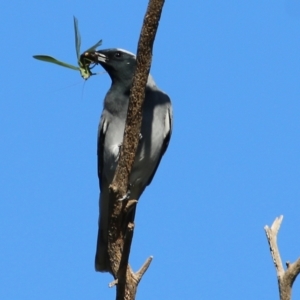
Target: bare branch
113,283
272,239
293,269
143,268
285,278
136,99
125,255
120,234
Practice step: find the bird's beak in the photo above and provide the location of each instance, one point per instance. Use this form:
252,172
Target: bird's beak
101,57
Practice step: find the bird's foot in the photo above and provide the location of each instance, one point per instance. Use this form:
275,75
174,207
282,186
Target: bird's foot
125,197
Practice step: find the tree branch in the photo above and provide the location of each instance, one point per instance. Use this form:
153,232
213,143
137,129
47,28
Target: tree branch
285,278
119,242
272,239
136,99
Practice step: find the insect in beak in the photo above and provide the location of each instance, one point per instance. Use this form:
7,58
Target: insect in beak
85,61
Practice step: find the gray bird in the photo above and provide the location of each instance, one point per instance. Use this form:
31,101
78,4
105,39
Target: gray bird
154,139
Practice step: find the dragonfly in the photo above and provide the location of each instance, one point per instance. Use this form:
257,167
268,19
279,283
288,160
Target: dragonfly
86,61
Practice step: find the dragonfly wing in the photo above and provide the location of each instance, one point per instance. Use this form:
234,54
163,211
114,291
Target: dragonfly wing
77,38
93,48
55,61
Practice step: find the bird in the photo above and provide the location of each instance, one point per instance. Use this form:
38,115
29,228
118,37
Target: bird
156,130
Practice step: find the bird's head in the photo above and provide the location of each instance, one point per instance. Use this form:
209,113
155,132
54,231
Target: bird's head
119,64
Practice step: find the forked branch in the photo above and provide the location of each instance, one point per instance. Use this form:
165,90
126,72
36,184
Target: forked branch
286,277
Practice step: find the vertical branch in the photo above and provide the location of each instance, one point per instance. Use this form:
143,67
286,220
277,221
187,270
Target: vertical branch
136,99
272,240
285,278
119,242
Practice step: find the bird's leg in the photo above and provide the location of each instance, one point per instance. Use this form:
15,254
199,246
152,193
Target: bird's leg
119,152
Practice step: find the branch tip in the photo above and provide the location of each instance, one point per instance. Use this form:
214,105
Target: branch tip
276,224
113,283
139,274
130,204
285,278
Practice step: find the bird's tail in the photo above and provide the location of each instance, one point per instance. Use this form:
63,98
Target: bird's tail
101,259
102,263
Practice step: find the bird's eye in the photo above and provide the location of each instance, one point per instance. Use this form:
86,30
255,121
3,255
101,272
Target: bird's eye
118,54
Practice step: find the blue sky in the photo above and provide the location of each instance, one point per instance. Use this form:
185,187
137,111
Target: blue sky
232,71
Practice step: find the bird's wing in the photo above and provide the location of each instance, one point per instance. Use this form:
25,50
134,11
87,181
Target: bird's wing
168,126
102,129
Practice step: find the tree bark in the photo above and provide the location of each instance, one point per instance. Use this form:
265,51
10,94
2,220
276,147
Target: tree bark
119,243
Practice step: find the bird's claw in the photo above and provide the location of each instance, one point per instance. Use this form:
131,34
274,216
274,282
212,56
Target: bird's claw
125,197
